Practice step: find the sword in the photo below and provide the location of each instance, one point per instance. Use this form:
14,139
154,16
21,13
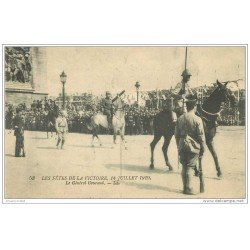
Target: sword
118,96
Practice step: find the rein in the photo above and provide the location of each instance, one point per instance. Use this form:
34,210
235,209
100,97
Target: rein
215,114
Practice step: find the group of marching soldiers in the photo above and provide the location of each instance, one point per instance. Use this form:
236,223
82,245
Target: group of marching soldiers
189,128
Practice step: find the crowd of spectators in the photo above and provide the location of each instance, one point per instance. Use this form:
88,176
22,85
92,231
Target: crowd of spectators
17,65
139,120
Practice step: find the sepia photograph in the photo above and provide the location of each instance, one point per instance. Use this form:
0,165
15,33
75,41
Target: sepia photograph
158,122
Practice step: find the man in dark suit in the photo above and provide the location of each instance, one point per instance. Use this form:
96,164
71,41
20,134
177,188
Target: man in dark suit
18,124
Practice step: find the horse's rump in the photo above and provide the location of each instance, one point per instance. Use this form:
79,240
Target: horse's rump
99,120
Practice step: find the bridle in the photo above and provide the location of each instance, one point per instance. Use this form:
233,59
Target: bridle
208,113
213,114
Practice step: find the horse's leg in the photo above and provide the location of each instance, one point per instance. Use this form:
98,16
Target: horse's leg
210,145
92,141
152,146
114,136
95,134
167,139
122,137
58,140
100,142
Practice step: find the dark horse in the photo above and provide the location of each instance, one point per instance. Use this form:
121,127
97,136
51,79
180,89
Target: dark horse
210,110
50,118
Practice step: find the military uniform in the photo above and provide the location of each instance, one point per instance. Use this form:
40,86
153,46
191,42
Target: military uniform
18,124
108,108
130,123
191,125
180,91
61,129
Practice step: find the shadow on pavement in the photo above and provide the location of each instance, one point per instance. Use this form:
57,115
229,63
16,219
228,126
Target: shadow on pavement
39,138
153,187
9,155
47,148
86,146
137,168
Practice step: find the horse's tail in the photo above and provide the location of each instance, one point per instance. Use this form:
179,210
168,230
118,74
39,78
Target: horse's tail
90,125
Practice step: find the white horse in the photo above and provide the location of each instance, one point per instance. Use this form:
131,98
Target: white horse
118,123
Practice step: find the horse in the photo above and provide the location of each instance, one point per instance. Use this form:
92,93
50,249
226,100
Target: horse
209,111
50,122
118,122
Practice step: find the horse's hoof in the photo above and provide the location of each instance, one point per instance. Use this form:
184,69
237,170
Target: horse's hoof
170,168
219,175
126,148
100,145
151,166
92,146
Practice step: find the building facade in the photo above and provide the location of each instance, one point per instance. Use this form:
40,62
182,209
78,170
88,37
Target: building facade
25,70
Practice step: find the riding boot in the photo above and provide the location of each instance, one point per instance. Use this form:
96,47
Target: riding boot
109,125
188,190
62,143
58,142
183,176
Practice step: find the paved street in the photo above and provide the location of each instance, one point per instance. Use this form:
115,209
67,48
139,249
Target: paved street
97,170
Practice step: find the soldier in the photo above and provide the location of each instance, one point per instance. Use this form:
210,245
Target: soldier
18,124
61,128
130,122
108,108
190,138
180,91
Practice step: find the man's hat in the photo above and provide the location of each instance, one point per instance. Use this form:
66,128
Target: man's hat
108,93
191,98
186,72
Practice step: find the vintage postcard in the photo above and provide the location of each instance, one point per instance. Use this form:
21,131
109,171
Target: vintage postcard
148,123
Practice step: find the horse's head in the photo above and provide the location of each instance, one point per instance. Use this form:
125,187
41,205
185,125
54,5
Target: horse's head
119,104
225,94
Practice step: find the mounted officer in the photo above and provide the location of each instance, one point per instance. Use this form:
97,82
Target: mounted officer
18,125
107,106
180,91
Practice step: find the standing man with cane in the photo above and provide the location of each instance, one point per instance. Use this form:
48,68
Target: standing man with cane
61,129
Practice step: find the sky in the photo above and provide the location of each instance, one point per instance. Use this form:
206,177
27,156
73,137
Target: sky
98,69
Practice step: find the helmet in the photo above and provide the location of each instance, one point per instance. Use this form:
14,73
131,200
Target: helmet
186,72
